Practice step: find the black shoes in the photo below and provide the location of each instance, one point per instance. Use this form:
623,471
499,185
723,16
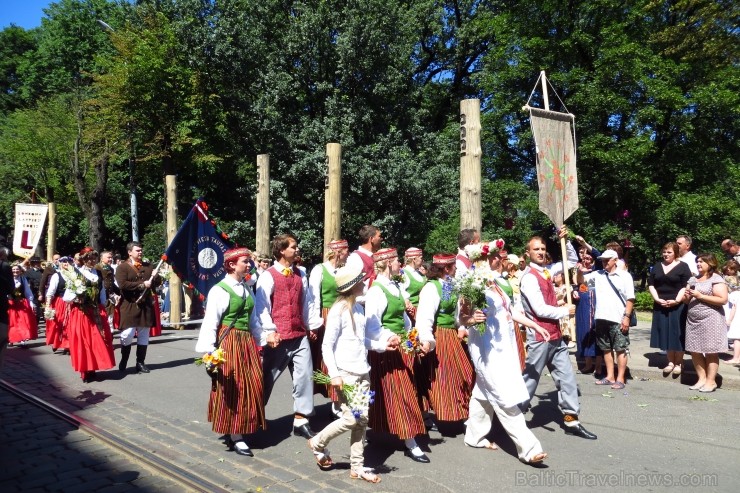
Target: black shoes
243,451
304,431
141,368
580,431
417,458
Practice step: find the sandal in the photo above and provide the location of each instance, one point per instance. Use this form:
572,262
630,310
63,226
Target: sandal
483,444
604,381
676,370
365,474
323,460
669,368
536,459
617,386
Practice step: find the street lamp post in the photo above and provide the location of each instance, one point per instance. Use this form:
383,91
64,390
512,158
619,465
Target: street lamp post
131,162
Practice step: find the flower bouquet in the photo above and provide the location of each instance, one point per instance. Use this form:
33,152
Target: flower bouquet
359,397
399,278
212,360
49,313
472,288
410,342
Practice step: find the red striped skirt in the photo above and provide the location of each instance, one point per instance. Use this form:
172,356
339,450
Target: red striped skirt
396,407
237,404
56,334
451,376
21,321
520,345
318,361
90,339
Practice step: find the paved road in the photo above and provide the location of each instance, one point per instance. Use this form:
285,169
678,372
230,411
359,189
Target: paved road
652,436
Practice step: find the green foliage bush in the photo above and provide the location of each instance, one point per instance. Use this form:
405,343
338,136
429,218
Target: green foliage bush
643,301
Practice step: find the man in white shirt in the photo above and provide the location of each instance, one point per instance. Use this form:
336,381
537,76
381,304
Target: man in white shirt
362,258
466,237
615,300
685,254
731,249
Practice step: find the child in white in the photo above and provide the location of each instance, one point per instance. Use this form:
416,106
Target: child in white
733,320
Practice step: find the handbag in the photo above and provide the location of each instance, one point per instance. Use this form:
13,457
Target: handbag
212,372
633,315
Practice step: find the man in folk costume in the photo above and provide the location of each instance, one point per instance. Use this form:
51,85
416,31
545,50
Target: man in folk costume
540,304
109,283
362,258
413,280
236,406
465,238
282,308
322,294
136,280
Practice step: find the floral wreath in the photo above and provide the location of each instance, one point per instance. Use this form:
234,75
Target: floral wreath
481,250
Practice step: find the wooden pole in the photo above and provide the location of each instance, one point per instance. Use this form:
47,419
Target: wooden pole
262,242
470,167
51,235
172,227
333,194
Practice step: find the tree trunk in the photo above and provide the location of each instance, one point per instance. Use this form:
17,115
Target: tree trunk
97,202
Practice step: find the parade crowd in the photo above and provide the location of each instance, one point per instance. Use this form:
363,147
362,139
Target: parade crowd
401,348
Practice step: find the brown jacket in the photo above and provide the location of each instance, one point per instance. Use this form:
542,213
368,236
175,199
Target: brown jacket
131,283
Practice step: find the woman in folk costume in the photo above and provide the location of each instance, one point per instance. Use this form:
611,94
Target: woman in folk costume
322,289
236,406
90,338
450,374
499,383
396,408
56,308
413,280
22,325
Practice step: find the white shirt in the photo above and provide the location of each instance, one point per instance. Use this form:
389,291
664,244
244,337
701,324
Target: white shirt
217,305
609,306
53,284
263,299
530,290
314,294
375,305
345,345
461,267
690,259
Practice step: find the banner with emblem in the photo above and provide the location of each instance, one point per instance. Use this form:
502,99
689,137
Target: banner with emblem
29,227
196,254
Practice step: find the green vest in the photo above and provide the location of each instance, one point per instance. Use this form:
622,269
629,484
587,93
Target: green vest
505,286
415,288
445,316
393,314
328,289
235,303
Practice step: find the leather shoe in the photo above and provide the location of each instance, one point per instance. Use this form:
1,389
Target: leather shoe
417,458
304,431
580,431
240,451
431,426
141,368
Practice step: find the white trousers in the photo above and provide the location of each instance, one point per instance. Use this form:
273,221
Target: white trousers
142,336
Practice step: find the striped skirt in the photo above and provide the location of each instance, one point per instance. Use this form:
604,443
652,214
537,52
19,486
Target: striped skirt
396,407
520,345
237,403
318,361
450,376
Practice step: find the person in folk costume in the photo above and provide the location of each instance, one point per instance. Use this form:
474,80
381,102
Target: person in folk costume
345,347
90,338
322,294
50,268
499,386
462,261
450,375
413,280
236,405
396,409
21,310
540,304
109,283
56,332
6,290
282,307
136,279
370,241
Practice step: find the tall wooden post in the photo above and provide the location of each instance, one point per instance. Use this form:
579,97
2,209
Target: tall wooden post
333,194
262,242
470,167
172,227
51,232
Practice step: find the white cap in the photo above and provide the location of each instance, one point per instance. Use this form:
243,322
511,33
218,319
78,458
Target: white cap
607,255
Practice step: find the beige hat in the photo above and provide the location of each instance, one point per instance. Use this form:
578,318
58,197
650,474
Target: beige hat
512,258
347,277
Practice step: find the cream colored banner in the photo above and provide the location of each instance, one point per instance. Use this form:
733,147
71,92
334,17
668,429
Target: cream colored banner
29,227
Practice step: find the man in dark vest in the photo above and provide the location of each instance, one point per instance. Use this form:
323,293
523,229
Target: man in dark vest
136,280
540,304
281,303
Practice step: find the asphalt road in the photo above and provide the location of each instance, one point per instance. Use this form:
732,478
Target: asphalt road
653,436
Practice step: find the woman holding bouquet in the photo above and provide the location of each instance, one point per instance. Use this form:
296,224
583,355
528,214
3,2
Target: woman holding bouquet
345,354
449,375
56,308
90,338
499,383
236,406
396,409
22,324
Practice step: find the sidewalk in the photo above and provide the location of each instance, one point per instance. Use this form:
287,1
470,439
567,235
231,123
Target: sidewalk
647,362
